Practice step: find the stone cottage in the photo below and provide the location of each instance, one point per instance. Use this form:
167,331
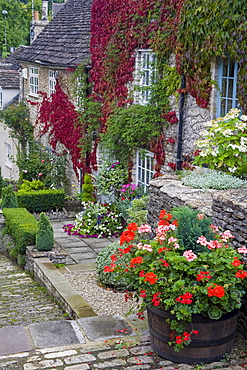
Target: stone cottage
55,53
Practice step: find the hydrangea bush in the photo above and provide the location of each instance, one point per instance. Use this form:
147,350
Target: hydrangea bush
223,144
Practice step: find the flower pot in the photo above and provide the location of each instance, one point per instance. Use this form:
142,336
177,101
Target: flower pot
215,337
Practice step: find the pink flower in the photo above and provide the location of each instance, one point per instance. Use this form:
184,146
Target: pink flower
214,228
144,229
25,171
226,235
43,161
200,216
214,244
145,247
172,240
161,229
40,174
243,250
202,240
189,255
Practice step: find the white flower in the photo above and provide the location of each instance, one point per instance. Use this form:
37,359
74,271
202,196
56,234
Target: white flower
227,132
243,118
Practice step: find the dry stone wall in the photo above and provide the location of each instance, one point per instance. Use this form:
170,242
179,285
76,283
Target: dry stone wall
228,208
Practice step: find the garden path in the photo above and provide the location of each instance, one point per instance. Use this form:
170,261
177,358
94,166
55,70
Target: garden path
80,251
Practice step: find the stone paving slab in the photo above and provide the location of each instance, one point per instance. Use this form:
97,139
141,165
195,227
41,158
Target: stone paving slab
105,327
14,339
56,333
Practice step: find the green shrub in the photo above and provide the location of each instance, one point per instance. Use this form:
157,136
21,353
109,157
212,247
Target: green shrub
31,185
41,200
112,279
2,182
87,189
138,211
45,234
22,226
9,198
190,227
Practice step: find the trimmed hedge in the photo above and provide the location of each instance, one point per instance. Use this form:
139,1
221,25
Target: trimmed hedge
22,226
41,200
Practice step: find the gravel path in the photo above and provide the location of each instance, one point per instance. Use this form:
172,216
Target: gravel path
102,301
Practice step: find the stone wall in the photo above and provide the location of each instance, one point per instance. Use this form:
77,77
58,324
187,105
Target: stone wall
56,255
230,212
228,208
167,192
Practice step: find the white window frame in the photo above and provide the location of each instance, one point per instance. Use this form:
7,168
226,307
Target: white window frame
144,168
34,80
1,98
79,87
8,153
146,75
52,75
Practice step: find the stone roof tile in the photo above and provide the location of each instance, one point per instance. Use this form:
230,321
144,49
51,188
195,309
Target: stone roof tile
65,40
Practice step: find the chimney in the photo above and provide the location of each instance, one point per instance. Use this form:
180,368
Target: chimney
35,15
44,10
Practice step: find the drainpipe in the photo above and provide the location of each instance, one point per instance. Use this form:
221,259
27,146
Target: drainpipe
180,124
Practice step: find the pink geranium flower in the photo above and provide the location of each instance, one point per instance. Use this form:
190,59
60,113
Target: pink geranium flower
144,229
189,255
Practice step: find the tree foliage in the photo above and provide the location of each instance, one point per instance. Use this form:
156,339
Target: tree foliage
16,118
16,21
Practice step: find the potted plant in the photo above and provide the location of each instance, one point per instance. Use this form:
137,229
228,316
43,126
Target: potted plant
192,297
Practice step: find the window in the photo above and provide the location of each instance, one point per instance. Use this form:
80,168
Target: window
1,98
145,164
227,79
80,91
52,81
8,152
34,80
146,71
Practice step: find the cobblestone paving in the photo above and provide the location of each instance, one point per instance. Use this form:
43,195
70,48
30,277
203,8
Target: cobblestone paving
99,357
22,301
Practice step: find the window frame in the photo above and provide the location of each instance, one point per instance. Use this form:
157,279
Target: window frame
144,171
33,80
1,98
52,80
146,74
8,151
233,100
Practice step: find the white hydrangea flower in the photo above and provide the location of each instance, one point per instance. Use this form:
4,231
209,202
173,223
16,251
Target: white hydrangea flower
243,118
228,132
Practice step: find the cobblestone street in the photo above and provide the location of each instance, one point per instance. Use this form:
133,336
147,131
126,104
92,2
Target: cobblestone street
22,300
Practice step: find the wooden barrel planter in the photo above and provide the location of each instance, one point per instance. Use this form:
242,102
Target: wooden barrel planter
214,340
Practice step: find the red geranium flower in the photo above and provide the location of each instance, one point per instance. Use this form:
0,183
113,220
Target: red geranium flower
185,298
151,277
132,227
216,291
241,274
135,261
126,236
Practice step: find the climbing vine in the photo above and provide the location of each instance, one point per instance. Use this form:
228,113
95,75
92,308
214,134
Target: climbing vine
60,120
207,30
119,28
196,32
